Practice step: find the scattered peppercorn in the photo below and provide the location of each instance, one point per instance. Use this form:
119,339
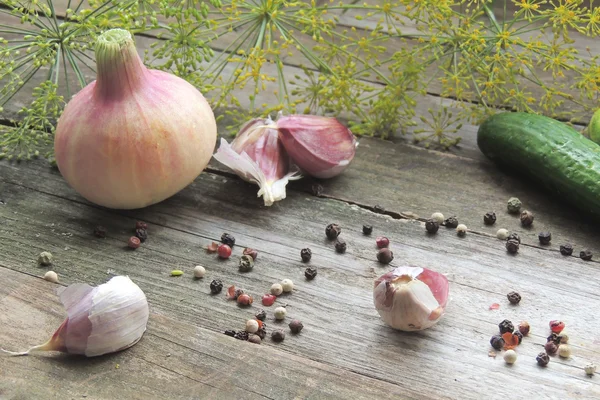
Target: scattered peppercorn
141,225
316,189
213,247
241,335
378,209
510,356
564,351
524,328
216,286
51,276
502,234
254,338
367,229
246,264
518,334
133,242
45,258
227,239
556,326
586,255
506,326
432,226
268,300
551,348
438,216
278,335
230,332
250,252
514,297
451,222
514,236
100,231
553,338
542,359
279,313
385,256
244,299
260,315
563,338
332,231
295,326
382,242
287,285
590,369
176,272
566,249
497,342
461,230
276,289
526,218
513,205
310,273
489,218
340,246
262,332
306,254
224,251
545,237
512,246
141,234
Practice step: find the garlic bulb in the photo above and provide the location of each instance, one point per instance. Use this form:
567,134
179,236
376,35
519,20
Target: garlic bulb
103,319
411,298
257,156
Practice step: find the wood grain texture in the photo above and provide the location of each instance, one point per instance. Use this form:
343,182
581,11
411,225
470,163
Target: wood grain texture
343,331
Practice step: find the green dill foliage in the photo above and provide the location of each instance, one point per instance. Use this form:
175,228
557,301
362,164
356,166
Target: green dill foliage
368,63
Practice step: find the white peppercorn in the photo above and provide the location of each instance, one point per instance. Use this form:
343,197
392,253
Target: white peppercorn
276,289
280,313
252,326
438,217
502,234
287,285
461,230
510,356
51,276
199,271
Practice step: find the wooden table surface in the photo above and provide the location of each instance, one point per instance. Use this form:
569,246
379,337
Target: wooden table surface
345,350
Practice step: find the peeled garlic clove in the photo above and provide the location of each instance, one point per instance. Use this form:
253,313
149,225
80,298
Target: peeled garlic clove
103,319
320,146
411,298
257,156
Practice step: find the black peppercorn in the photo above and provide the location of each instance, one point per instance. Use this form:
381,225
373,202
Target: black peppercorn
278,335
497,342
451,222
554,337
262,332
551,348
237,293
489,218
506,326
141,234
367,229
526,218
316,189
310,273
306,254
586,255
246,263
333,231
141,225
261,315
385,255
100,231
545,237
512,246
230,332
295,326
227,239
542,359
216,286
241,335
566,249
432,226
340,246
518,334
514,236
514,297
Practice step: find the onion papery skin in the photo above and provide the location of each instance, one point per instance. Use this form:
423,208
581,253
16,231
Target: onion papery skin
134,136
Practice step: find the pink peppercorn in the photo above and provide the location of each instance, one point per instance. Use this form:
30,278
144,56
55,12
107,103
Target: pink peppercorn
133,242
224,251
382,242
268,300
244,299
557,326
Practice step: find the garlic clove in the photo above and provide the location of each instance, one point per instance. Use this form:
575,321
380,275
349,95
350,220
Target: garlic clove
257,156
320,146
411,298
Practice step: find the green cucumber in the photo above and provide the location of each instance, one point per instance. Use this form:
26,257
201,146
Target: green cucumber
594,127
547,151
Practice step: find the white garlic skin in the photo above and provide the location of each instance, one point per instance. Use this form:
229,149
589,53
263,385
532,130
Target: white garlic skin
438,217
51,276
502,234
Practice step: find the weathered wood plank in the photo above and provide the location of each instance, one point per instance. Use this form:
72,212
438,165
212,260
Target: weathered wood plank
337,307
173,360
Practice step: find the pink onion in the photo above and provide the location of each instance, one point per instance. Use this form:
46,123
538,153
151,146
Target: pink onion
135,136
411,298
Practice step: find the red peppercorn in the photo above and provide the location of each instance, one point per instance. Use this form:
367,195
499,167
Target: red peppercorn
382,242
557,326
133,242
141,225
224,251
268,299
244,299
250,252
